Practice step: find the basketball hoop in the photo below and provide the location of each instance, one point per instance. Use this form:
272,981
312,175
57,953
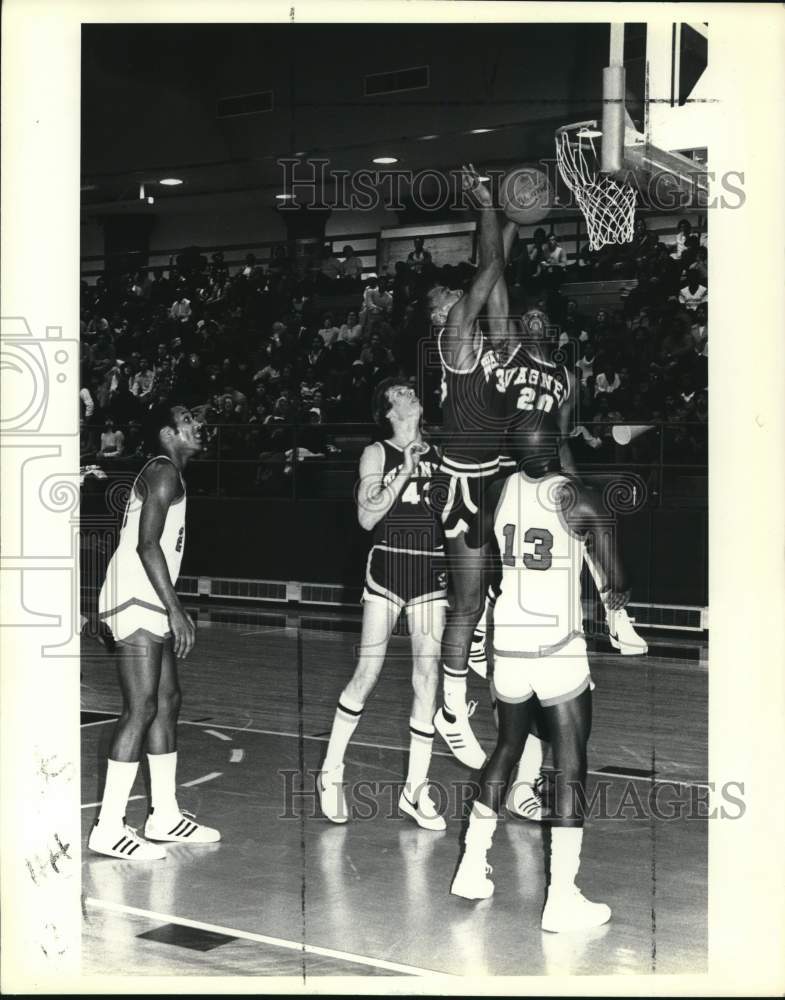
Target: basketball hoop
607,206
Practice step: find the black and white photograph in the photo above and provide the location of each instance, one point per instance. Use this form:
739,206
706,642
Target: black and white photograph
402,532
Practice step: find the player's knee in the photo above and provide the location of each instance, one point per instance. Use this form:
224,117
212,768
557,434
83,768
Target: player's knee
169,702
425,676
143,709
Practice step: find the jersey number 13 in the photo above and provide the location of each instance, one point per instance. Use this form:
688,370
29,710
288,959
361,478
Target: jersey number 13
539,558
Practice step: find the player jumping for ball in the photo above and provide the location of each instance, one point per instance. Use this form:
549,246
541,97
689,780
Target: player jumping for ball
406,570
152,631
472,419
544,523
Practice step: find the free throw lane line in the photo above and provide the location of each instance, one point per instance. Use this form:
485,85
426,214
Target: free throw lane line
311,949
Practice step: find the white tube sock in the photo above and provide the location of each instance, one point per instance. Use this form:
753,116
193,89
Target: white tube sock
163,793
347,716
420,749
566,844
120,777
455,693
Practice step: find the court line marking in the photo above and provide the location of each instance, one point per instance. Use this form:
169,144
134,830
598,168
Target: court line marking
344,956
98,722
220,736
236,755
92,805
442,753
201,781
436,753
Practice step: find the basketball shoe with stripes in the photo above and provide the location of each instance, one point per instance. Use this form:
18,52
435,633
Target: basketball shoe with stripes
122,841
525,800
457,734
181,828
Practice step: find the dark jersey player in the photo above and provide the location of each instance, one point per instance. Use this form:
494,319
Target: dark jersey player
493,387
405,571
473,420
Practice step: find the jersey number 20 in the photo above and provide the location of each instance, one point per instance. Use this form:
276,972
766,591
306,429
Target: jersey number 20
542,540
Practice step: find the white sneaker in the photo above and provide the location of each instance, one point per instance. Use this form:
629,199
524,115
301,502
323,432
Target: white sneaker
478,660
122,841
329,784
180,828
623,636
459,737
571,911
423,811
525,800
471,880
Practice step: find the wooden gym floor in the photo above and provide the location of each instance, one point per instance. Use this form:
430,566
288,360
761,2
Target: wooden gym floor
288,894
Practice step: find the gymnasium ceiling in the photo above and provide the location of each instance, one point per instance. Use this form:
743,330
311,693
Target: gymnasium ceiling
150,98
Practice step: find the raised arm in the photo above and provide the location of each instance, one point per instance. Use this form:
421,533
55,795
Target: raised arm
459,344
498,299
565,420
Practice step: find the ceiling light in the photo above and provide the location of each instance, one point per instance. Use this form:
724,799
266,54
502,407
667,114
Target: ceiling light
284,197
423,138
150,200
479,131
385,159
170,181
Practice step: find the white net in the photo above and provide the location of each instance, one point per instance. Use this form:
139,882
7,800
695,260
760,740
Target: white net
607,206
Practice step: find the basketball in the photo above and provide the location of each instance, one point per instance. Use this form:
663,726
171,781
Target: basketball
525,194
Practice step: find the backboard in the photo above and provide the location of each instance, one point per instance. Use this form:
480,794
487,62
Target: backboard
651,140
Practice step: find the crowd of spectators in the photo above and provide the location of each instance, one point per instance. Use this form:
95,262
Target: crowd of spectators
267,351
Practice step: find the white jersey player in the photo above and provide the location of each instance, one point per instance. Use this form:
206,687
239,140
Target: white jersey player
545,523
139,604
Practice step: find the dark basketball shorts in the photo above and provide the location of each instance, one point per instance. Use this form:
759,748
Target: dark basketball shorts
405,578
466,504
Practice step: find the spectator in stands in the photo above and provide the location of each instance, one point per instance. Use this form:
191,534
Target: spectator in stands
180,310
693,293
328,331
419,261
700,265
112,441
134,445
608,380
683,232
87,403
677,345
700,330
317,357
350,332
142,382
585,364
554,258
402,291
351,267
330,269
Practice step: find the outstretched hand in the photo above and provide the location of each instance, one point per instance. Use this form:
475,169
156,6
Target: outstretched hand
470,181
